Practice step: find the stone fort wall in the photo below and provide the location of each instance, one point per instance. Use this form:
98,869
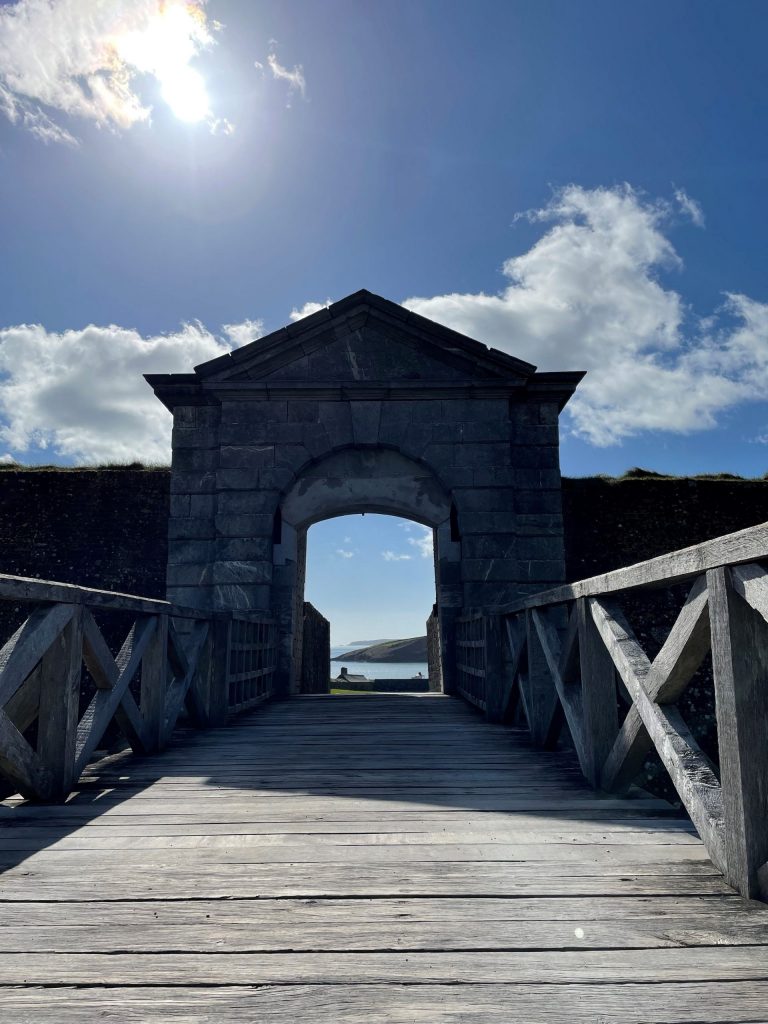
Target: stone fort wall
108,527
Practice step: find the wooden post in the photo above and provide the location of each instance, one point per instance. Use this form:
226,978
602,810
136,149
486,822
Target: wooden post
740,669
598,694
219,693
495,688
154,680
541,695
60,671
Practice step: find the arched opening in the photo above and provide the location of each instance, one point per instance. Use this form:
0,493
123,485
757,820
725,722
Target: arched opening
378,481
373,577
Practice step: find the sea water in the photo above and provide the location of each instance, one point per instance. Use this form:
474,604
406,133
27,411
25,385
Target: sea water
376,669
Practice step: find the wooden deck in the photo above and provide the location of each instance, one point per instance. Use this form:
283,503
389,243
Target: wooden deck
340,859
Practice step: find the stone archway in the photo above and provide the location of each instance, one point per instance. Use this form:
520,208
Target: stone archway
296,426
361,480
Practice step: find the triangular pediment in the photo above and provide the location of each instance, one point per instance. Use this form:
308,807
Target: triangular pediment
364,338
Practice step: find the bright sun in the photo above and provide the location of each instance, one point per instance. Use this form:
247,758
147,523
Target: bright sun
164,49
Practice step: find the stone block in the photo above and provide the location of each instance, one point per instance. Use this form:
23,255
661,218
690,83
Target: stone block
303,411
366,417
193,483
189,575
260,412
486,522
485,499
190,528
493,455
277,479
448,572
549,524
194,460
493,477
291,456
236,480
336,419
537,456
450,596
535,434
194,437
253,502
244,525
394,422
540,547
317,442
244,549
190,597
242,572
250,457
180,505
486,428
190,550
498,545
537,502
202,505
246,597
537,479
196,416
492,569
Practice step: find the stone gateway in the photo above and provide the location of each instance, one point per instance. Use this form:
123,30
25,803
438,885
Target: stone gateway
363,407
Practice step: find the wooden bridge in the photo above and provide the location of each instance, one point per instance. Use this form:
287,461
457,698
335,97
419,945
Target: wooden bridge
394,858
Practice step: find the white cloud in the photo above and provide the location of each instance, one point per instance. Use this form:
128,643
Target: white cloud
391,556
308,309
587,295
7,460
690,207
293,76
342,553
243,333
423,543
81,393
86,58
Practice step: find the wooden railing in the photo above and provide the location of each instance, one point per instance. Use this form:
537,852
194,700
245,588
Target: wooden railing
61,686
569,657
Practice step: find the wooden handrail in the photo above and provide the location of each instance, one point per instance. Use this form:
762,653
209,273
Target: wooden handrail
211,663
562,656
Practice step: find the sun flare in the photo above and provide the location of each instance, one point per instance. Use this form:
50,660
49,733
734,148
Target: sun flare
164,49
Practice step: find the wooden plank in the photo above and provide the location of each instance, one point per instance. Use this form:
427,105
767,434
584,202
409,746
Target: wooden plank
154,679
653,966
568,694
183,689
677,661
97,655
751,583
541,689
60,672
23,706
577,1003
495,672
688,768
343,933
264,916
20,764
117,701
598,695
740,668
23,651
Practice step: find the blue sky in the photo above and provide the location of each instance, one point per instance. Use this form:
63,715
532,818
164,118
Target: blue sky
581,184
372,576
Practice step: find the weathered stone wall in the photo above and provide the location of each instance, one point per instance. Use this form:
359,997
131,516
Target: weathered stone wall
108,527
316,651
